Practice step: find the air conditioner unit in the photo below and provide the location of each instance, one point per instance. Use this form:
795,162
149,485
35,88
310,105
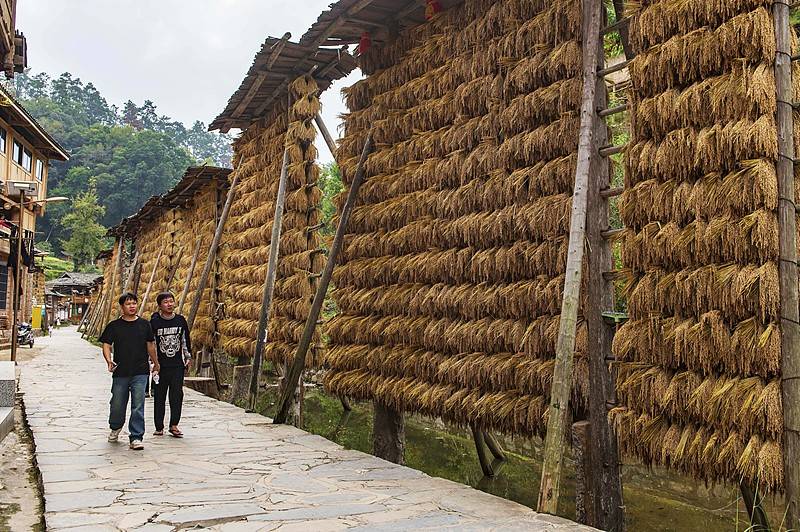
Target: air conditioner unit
13,188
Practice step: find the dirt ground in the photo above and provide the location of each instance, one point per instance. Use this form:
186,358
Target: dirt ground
20,500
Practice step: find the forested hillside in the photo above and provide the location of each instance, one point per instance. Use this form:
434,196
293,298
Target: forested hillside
126,155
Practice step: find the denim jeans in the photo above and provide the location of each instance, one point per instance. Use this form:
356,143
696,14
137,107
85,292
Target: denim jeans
121,387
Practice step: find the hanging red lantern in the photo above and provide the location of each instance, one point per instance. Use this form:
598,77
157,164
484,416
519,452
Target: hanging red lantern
364,43
431,8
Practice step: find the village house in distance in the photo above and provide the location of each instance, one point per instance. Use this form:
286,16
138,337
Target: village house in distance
25,152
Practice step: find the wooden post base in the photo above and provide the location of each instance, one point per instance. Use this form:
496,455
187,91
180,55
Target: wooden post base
388,434
241,384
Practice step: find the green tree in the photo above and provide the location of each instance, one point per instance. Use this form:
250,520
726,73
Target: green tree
330,182
86,234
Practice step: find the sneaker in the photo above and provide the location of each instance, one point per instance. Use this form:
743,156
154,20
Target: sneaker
137,445
113,436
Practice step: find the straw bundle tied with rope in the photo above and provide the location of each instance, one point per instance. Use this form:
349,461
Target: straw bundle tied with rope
449,283
699,361
258,156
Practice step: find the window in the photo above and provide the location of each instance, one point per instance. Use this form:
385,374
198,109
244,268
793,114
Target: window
39,169
16,154
3,286
27,159
3,136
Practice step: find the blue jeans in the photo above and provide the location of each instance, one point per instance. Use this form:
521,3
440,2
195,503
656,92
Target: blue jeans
121,387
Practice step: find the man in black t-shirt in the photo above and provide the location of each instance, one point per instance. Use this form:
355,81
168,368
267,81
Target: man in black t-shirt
174,356
132,341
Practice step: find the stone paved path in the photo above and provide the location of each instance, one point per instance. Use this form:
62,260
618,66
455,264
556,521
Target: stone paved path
233,472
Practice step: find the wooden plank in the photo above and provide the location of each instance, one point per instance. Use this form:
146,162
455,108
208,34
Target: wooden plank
480,448
269,282
296,370
554,452
787,231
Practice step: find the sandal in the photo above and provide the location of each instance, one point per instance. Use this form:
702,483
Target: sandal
159,433
175,432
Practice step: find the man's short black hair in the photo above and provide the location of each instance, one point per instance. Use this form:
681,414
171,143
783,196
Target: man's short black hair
127,296
162,296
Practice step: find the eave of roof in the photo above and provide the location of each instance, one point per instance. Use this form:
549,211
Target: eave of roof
31,129
278,63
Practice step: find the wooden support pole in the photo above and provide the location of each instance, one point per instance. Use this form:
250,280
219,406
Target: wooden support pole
296,370
98,311
269,282
624,28
608,151
480,447
189,275
212,252
494,446
345,403
131,270
787,237
565,345
150,281
754,502
326,134
117,265
174,268
388,433
603,477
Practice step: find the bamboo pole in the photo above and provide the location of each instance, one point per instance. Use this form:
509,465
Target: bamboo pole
212,252
296,370
117,265
269,281
787,231
189,275
152,276
565,344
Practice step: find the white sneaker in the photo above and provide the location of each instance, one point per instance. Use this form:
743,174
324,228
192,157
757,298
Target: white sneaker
137,445
113,436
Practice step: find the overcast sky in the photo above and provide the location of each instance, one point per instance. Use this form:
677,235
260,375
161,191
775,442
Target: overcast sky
188,56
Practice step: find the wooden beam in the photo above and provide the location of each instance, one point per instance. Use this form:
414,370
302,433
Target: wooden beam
269,282
296,370
129,277
561,389
277,48
787,238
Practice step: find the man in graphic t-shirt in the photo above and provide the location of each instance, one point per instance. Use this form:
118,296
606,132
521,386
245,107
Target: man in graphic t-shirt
131,339
174,356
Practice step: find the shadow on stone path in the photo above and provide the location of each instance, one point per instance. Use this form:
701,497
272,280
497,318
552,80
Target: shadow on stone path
233,471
